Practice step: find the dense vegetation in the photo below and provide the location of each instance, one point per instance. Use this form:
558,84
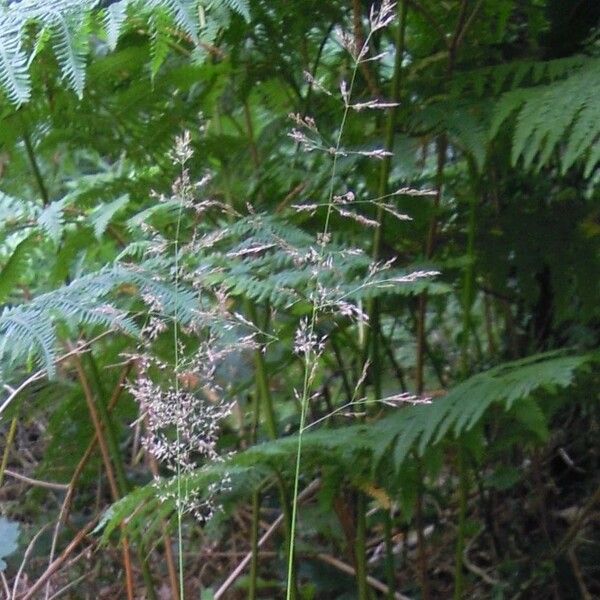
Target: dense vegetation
299,299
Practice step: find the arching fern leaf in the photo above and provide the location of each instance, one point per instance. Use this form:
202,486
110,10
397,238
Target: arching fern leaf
14,75
564,112
365,446
71,34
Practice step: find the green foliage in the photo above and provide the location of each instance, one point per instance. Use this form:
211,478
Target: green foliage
9,275
69,23
512,75
30,329
564,111
360,450
14,75
504,338
70,33
267,259
103,214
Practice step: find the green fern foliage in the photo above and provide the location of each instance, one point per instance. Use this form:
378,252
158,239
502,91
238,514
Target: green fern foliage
562,116
496,79
242,7
70,32
114,19
30,329
11,271
265,258
160,39
462,123
360,450
70,23
14,63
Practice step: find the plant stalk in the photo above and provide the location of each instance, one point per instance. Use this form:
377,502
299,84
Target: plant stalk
374,334
462,518
360,549
108,467
10,437
114,460
35,168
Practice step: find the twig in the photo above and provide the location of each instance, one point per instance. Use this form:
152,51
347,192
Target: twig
359,40
585,594
69,586
37,482
473,567
28,552
582,515
346,568
565,543
37,174
431,20
5,585
52,568
9,441
108,466
66,505
468,23
312,487
171,569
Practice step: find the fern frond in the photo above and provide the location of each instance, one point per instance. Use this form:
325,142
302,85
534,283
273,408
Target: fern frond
13,210
183,12
265,258
566,110
160,39
28,332
363,447
30,329
422,426
51,219
11,271
496,79
241,7
14,74
68,22
103,215
70,34
460,123
114,19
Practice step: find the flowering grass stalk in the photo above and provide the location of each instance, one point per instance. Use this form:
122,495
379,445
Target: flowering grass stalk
182,155
308,343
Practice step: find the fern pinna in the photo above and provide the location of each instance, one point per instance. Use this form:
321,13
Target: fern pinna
69,24
522,389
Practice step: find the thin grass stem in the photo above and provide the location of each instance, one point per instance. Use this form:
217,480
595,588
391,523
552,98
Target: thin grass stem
311,357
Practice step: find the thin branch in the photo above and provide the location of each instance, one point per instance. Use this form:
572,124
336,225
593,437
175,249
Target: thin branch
37,174
576,567
28,552
12,430
468,23
37,482
359,37
346,568
5,585
66,505
581,518
306,493
69,585
102,434
52,568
